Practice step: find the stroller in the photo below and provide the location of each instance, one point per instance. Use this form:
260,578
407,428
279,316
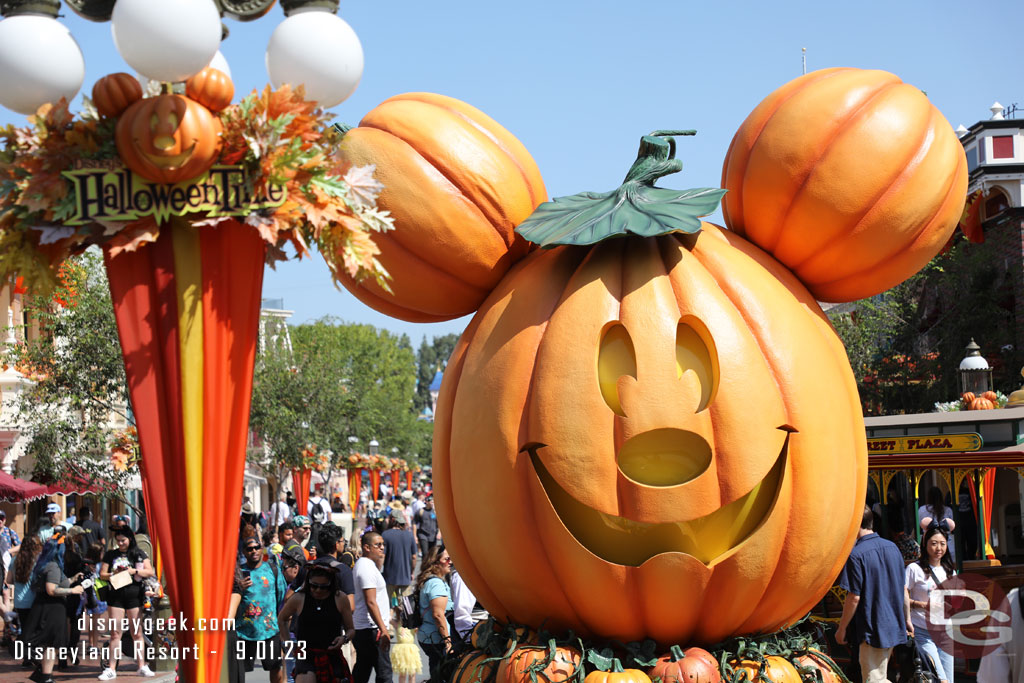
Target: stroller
910,664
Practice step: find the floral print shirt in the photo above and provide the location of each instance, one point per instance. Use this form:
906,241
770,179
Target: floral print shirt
257,613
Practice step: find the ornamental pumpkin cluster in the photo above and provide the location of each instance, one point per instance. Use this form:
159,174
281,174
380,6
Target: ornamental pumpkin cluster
506,653
167,138
661,400
987,401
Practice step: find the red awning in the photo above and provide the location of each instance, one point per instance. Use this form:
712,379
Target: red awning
78,484
14,490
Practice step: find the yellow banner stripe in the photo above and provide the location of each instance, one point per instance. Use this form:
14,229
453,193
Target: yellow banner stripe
188,276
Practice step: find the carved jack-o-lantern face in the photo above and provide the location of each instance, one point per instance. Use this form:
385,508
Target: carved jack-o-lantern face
657,460
168,138
650,438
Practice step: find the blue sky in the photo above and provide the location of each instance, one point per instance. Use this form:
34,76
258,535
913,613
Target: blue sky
580,82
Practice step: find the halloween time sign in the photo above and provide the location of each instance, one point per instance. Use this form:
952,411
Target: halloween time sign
116,193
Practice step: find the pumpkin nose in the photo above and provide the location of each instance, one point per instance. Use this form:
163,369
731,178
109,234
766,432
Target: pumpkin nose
664,457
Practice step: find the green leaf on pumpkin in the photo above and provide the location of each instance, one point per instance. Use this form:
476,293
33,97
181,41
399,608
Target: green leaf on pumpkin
634,208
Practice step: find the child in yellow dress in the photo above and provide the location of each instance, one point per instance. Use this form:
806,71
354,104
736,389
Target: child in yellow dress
405,656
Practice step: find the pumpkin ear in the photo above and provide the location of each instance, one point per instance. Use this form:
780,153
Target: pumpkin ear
457,184
851,178
115,92
211,88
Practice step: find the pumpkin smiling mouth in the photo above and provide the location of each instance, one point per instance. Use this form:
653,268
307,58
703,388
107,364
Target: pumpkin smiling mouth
626,542
168,161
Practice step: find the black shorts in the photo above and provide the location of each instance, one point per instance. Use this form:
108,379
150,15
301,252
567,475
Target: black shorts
129,597
269,651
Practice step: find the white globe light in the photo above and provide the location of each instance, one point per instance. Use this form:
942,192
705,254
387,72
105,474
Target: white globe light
169,40
317,50
220,63
40,62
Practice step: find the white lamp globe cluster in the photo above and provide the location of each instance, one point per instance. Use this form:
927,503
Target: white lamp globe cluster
170,41
40,62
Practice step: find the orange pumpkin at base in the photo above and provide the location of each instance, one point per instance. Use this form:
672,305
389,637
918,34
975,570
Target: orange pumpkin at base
849,177
667,413
457,184
168,138
549,664
776,669
474,668
693,665
817,661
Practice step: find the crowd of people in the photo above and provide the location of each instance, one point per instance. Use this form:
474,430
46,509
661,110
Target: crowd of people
69,586
313,604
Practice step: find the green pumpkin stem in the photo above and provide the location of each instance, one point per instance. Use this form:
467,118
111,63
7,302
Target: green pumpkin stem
617,666
637,207
676,653
341,128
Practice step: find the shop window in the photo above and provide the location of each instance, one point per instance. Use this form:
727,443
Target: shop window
1002,147
972,158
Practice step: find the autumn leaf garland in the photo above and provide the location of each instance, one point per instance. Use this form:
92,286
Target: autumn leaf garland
276,135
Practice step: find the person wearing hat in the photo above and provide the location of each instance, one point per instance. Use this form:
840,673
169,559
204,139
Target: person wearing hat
300,532
399,559
49,522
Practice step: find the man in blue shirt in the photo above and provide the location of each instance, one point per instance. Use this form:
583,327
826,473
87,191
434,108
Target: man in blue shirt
876,613
256,621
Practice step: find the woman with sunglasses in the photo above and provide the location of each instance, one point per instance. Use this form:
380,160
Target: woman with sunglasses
323,624
934,566
435,602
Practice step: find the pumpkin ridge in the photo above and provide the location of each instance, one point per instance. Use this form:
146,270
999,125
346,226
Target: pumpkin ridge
387,307
903,172
838,128
828,333
466,565
441,172
951,194
412,255
534,198
710,264
492,218
727,213
524,427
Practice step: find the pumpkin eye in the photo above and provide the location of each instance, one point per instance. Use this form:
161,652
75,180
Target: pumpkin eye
695,352
615,359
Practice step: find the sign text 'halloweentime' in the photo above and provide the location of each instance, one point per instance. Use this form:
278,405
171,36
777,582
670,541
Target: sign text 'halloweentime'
117,194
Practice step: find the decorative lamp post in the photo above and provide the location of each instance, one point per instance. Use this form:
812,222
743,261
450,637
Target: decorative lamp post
374,447
975,373
185,272
374,470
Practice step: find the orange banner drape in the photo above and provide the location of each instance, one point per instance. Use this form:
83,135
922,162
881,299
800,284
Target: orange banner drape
408,480
300,485
395,474
187,309
355,485
374,484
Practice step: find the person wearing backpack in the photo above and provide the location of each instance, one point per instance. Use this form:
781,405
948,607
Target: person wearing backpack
399,559
434,603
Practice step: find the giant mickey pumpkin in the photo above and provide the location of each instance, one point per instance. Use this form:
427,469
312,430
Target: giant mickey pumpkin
657,435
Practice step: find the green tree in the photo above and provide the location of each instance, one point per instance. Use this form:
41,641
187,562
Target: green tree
77,403
339,381
429,359
905,345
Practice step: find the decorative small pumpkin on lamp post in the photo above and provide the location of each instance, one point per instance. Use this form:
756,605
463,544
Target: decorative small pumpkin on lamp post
168,138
